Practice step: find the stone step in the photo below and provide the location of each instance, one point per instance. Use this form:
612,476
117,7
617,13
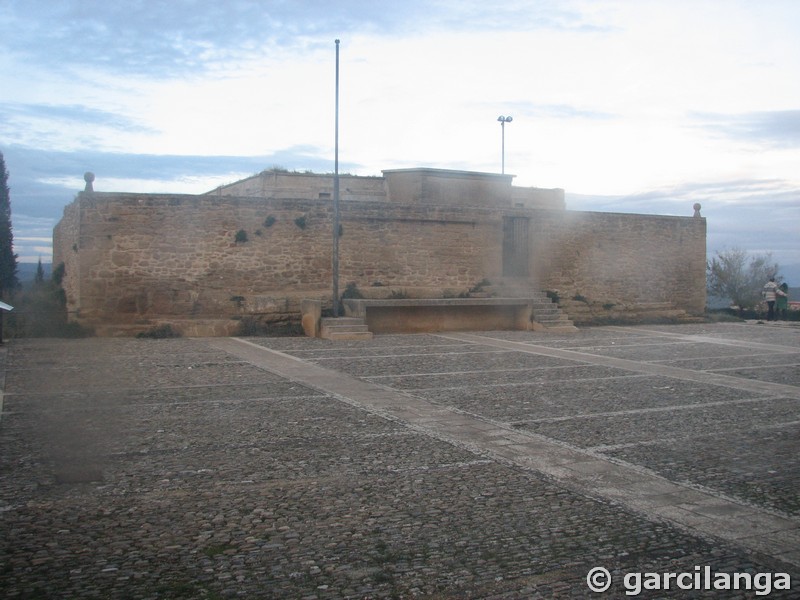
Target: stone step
559,318
547,309
344,328
341,321
570,328
546,313
347,335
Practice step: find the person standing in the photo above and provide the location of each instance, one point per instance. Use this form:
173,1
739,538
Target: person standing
782,301
770,293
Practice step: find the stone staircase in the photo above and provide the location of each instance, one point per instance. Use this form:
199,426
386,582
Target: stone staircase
549,315
344,328
546,314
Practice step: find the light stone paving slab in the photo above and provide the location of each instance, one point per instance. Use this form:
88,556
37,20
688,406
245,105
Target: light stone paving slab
698,510
759,387
771,348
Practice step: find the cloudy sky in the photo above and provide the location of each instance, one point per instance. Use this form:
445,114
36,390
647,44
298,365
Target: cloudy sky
644,106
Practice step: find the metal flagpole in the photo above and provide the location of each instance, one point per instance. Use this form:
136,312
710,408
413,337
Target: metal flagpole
335,264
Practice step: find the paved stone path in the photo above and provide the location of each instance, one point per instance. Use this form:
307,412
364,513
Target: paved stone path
702,510
491,465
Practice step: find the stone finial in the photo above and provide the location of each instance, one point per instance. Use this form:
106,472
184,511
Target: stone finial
88,177
697,208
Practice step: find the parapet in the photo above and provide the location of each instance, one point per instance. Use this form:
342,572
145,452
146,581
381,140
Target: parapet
444,187
303,186
533,197
417,186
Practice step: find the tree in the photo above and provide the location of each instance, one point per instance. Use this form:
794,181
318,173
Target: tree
39,277
8,260
739,277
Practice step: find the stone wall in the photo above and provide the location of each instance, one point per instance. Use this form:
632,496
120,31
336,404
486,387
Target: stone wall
607,266
439,187
65,250
309,186
203,263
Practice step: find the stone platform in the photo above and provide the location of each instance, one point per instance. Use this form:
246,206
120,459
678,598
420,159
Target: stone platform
504,464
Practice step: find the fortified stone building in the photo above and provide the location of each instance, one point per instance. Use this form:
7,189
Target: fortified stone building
257,248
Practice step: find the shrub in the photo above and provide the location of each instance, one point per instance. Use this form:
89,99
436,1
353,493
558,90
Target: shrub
253,327
478,287
240,237
352,291
159,332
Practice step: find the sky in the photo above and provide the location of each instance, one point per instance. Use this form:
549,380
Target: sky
632,106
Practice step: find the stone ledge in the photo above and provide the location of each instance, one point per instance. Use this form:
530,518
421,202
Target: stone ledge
407,315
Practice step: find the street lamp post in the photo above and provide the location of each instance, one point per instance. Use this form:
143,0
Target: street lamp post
503,120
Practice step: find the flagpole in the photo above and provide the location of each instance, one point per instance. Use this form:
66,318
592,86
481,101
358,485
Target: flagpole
335,264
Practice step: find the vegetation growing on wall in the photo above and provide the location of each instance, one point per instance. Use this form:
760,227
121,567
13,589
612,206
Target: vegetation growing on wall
553,295
159,332
351,291
478,288
254,327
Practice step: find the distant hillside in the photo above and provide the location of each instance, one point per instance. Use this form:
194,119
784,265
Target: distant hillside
790,274
26,272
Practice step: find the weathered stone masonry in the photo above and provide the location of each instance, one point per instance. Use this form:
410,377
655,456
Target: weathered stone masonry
138,260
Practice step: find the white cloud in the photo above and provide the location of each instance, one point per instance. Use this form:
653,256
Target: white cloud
182,185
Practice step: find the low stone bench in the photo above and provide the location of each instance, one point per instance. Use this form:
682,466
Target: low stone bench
419,315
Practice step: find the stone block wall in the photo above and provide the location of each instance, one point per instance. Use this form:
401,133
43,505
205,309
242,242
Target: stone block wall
606,266
65,250
134,261
423,247
309,186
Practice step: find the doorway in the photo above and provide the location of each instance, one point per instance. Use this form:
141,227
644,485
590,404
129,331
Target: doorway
515,246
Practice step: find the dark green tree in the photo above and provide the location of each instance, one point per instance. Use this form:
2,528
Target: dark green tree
8,260
39,277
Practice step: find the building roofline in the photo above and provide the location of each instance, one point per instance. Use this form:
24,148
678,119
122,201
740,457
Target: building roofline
449,172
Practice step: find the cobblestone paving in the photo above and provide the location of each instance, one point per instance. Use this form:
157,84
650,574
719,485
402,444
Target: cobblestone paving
171,469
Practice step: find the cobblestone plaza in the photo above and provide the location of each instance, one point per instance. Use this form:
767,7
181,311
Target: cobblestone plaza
453,465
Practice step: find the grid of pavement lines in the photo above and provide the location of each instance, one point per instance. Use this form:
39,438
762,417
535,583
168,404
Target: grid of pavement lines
182,469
